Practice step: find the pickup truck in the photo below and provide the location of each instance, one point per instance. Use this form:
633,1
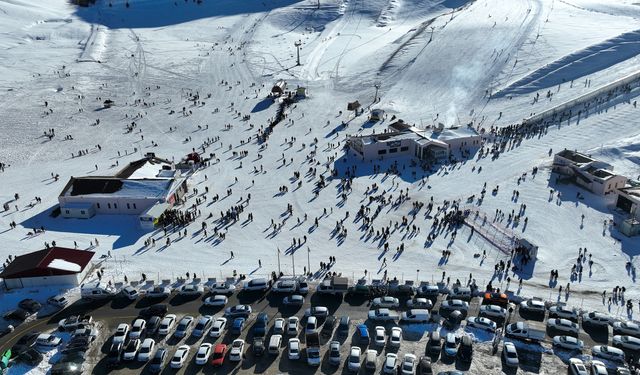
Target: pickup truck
383,315
522,331
313,349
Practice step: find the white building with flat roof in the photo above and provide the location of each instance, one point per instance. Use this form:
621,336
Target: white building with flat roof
589,173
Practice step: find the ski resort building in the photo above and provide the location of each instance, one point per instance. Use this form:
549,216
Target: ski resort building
134,190
402,139
52,266
591,174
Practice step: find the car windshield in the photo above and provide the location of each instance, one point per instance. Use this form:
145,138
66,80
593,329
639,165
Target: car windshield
354,359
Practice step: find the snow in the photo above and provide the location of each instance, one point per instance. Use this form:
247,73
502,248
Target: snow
433,60
62,264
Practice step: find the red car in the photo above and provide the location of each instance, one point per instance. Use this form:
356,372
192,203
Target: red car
217,358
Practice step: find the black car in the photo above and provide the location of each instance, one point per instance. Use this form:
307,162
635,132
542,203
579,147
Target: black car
258,346
154,310
328,326
19,315
454,319
115,352
465,350
434,345
30,356
67,368
343,327
424,367
30,305
24,343
153,324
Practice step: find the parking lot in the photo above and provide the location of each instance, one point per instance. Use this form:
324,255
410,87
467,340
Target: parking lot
110,313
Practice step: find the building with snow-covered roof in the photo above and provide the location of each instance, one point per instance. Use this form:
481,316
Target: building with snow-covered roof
587,172
52,266
428,144
133,190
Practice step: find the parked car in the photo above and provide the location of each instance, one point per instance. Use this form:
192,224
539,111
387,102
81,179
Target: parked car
114,354
343,326
147,349
18,315
510,354
129,293
390,364
217,358
30,305
256,285
166,325
58,301
154,310
258,346
533,305
495,298
482,323
363,333
279,326
596,319
312,325
454,304
183,326
180,356
465,350
121,333
238,311
157,361
30,357
328,326
420,303
317,311
24,343
47,342
222,288
434,344
137,328
131,350
626,343
463,293
577,367
73,322
294,348
237,326
203,353
395,338
153,324
260,326
598,368
568,343
303,287
190,290
218,327
292,325
408,366
294,300
608,352
285,286
564,325
383,315
158,292
450,345
370,360
428,291
387,302
453,320
334,353
564,312
415,316
424,366
216,300
203,325
237,350
354,359
626,328
380,336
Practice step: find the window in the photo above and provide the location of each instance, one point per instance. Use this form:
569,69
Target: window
134,206
66,212
404,148
109,205
115,205
128,206
81,212
382,152
98,205
393,150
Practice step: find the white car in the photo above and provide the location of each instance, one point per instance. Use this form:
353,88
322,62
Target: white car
191,290
533,305
222,288
564,325
387,302
137,328
130,292
354,359
510,354
395,338
317,311
292,325
626,342
294,349
183,326
390,363
596,318
158,292
380,336
166,325
408,366
285,286
482,323
122,331
58,301
237,350
131,350
217,300
312,325
493,311
568,342
278,326
294,300
608,352
238,311
415,316
563,311
450,344
147,350
627,328
455,304
598,368
218,327
420,303
180,356
47,341
577,367
204,323
204,351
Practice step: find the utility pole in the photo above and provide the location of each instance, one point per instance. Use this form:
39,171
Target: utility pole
318,4
431,37
308,259
417,276
279,272
293,260
297,43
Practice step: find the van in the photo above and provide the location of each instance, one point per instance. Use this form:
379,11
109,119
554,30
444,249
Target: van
370,360
257,285
274,344
462,293
97,291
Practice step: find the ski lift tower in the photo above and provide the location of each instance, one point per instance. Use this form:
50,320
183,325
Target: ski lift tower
377,86
297,43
